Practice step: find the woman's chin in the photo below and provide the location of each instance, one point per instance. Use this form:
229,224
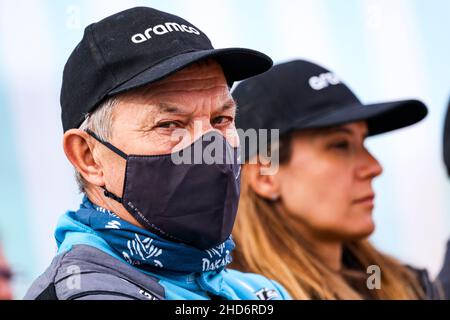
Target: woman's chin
362,224
364,230
353,232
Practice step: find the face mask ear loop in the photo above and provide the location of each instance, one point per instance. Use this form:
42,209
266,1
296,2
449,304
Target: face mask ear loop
112,195
117,151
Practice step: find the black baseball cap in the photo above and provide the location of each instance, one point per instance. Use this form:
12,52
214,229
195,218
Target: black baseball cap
137,47
301,95
447,140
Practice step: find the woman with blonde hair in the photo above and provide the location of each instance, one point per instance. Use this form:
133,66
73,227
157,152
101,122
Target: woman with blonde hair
306,225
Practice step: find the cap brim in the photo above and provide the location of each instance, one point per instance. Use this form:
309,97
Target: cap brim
237,64
381,117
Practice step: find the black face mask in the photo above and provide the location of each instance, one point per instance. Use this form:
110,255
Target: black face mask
193,202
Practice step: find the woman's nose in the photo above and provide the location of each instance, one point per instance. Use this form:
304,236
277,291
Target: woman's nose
369,167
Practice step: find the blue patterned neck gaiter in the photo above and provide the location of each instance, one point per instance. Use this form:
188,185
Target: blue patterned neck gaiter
147,251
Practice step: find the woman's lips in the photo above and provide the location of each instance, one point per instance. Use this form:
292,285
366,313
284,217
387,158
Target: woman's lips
367,201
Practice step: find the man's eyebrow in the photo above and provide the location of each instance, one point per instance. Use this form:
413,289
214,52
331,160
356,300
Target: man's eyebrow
229,105
174,109
169,108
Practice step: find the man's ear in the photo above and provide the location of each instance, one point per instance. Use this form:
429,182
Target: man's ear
266,186
78,147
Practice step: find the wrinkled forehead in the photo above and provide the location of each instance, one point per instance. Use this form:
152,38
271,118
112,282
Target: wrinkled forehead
201,87
204,77
207,68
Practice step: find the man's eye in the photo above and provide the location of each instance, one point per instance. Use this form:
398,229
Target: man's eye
168,125
222,120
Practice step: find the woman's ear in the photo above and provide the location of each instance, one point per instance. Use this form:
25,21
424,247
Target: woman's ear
265,185
79,148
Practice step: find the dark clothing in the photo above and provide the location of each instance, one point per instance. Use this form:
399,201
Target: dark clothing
356,276
443,278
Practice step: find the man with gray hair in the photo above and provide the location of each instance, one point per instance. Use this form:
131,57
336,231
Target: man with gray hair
142,86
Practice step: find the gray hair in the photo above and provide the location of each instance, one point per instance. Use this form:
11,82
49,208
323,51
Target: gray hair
99,122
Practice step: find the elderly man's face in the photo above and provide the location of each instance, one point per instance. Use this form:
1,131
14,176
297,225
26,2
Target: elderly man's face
148,121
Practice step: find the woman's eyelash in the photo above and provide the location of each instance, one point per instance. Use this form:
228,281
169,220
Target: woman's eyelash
341,145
